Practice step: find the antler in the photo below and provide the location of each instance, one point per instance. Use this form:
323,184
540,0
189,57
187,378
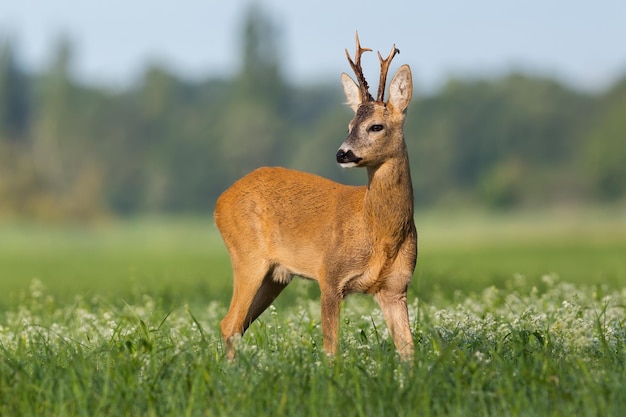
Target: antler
384,68
358,71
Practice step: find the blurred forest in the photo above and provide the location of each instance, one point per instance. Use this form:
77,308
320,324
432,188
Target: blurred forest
78,152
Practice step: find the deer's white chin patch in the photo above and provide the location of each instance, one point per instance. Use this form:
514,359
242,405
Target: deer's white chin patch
347,164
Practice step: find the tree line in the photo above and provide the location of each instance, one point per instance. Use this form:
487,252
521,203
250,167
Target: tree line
169,144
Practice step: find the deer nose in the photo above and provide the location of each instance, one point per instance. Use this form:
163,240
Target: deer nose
345,157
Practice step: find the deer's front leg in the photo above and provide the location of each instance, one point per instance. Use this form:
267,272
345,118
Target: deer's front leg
331,305
396,314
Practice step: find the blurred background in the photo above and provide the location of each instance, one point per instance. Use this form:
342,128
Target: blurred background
121,122
116,108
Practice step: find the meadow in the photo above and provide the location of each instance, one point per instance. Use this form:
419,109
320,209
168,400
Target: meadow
512,315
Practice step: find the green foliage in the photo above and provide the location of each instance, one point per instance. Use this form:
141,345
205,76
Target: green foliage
605,150
14,95
260,79
505,142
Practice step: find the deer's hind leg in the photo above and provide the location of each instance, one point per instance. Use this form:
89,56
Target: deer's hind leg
254,290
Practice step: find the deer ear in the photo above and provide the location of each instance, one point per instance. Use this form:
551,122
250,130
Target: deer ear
351,90
401,88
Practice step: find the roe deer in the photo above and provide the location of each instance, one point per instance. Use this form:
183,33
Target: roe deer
279,223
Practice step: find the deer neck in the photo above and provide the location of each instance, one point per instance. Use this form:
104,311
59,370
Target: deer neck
388,205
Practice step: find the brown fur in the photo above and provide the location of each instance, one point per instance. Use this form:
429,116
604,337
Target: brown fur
278,223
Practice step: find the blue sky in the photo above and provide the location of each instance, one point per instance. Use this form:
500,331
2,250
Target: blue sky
582,42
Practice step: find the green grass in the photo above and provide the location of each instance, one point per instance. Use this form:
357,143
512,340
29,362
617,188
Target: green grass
173,259
516,316
184,261
515,352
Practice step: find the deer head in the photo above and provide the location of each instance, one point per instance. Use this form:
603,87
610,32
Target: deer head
376,130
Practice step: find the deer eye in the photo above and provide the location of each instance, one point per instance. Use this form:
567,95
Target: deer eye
376,128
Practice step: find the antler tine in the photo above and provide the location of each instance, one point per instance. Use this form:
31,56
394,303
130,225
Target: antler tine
358,71
384,68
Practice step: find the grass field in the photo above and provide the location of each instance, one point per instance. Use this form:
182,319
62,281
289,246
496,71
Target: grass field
517,315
